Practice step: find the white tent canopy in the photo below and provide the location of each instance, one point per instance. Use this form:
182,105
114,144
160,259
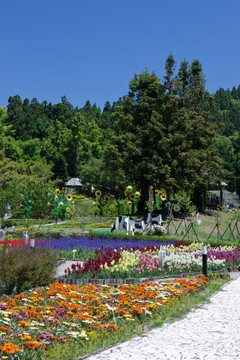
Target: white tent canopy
74,182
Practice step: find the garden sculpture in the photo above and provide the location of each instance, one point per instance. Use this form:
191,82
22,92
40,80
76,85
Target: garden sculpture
129,224
61,204
163,252
124,223
101,200
25,237
27,205
131,196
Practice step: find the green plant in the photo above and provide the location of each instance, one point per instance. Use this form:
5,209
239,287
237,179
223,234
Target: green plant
64,351
183,200
23,268
78,196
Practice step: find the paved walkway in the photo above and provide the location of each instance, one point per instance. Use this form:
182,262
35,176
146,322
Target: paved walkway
211,332
60,271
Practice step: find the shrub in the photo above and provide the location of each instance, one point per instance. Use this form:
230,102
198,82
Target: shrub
23,268
78,196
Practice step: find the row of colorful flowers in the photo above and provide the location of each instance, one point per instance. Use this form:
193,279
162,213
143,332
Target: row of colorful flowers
146,262
35,321
114,257
85,246
88,243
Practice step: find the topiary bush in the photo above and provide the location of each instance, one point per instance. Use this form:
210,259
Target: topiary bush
24,268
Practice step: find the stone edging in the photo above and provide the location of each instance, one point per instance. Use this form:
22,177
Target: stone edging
132,281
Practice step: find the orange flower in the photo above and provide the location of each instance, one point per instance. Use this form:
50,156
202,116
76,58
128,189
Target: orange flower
10,348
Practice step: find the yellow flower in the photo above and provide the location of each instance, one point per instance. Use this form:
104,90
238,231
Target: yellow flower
132,196
57,191
98,193
69,197
137,194
129,188
107,199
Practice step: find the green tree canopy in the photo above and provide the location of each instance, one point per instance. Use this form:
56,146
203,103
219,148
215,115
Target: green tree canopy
162,132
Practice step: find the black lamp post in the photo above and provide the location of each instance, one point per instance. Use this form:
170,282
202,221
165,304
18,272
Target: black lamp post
204,260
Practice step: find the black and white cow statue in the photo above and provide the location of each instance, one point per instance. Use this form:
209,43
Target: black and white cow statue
127,223
124,223
156,220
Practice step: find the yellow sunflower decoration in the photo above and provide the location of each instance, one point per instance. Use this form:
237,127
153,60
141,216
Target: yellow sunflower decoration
132,196
137,194
101,201
98,193
129,188
233,210
107,199
61,205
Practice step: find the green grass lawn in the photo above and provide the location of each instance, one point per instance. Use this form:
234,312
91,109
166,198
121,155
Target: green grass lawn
214,227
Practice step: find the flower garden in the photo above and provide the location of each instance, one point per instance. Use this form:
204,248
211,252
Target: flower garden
35,322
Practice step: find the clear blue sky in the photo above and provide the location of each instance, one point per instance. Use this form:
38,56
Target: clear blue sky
90,49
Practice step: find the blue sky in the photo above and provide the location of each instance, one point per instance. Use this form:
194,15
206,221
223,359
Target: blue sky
90,50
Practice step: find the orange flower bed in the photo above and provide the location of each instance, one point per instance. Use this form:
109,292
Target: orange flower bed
36,320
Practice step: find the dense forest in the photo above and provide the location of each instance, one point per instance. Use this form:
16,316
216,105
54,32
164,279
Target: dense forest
167,132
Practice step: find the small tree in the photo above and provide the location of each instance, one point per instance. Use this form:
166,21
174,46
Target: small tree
183,202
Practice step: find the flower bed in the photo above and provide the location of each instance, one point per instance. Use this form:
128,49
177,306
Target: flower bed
134,258
35,321
144,262
86,245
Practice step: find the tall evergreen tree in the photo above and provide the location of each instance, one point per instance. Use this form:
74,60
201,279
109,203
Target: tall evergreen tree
161,137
